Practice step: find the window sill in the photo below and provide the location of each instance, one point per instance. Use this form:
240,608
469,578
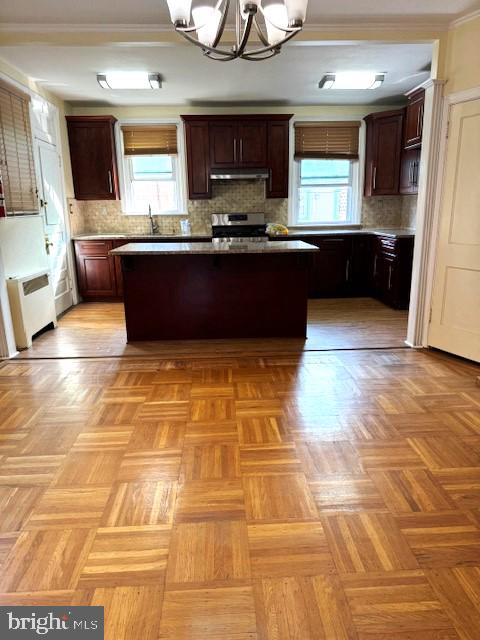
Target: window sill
325,226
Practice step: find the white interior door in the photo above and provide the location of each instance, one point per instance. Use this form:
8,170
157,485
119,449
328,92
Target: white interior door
52,210
455,322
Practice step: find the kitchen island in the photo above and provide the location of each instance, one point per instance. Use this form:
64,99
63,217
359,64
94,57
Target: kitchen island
196,290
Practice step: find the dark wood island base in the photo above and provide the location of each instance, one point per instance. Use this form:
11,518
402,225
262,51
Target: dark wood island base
216,294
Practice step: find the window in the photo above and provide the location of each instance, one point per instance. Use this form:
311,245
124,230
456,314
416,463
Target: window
16,152
150,168
326,170
325,191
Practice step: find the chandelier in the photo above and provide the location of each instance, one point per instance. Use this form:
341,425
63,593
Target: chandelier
274,21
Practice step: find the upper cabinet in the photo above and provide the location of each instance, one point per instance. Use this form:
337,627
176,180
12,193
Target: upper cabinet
412,132
92,154
394,140
238,144
383,152
278,158
235,142
198,159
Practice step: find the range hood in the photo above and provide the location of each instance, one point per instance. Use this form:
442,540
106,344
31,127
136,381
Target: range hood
240,174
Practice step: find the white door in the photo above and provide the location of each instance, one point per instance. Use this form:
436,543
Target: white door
52,210
455,322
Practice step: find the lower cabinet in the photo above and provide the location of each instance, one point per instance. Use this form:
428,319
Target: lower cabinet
95,269
392,270
99,275
361,264
330,272
345,265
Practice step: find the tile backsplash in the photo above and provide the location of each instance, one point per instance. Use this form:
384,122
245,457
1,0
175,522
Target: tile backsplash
104,216
409,212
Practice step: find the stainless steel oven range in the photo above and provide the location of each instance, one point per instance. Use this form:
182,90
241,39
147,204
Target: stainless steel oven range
239,227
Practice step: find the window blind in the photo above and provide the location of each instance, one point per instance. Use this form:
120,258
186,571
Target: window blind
333,140
150,140
16,152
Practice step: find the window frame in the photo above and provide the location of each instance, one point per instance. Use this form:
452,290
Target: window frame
358,172
125,173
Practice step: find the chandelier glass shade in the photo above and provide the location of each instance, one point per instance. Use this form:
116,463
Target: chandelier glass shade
274,22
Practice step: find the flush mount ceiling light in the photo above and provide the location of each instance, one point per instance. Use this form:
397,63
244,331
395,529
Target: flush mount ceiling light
274,21
352,80
129,80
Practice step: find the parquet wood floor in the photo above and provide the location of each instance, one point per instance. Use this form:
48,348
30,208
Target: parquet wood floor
98,329
297,496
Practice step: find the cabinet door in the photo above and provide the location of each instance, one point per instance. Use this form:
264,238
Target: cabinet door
278,159
361,265
92,154
383,277
224,145
95,269
384,146
331,269
198,159
414,120
409,171
252,144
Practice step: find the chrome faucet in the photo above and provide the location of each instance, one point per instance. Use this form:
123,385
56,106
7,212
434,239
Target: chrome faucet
153,224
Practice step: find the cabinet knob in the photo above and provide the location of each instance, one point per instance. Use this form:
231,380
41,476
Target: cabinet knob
110,182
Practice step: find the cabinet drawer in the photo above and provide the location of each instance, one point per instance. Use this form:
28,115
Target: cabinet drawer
330,243
388,245
93,247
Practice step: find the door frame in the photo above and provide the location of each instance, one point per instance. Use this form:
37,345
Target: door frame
430,200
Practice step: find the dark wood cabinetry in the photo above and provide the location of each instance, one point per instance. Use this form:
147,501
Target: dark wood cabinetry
392,270
330,269
278,158
360,264
409,171
356,264
92,155
383,153
223,145
394,140
95,269
99,274
238,144
235,142
198,159
413,128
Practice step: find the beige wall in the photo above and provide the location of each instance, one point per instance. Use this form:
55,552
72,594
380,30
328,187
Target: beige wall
462,60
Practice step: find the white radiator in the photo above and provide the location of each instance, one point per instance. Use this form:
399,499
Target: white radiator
32,305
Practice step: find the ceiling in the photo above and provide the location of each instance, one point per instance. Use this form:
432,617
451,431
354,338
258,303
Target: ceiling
190,78
126,12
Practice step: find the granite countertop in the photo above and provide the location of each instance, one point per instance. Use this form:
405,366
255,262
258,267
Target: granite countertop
293,233
192,248
394,233
146,236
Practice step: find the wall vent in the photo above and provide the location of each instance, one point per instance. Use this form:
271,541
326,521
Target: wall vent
35,284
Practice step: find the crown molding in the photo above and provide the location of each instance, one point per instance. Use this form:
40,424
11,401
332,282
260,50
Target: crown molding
83,28
463,19
369,27
372,27
430,82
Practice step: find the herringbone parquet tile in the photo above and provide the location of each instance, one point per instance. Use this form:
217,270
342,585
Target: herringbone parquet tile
269,497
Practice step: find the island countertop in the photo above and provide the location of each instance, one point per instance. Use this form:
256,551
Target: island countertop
197,248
